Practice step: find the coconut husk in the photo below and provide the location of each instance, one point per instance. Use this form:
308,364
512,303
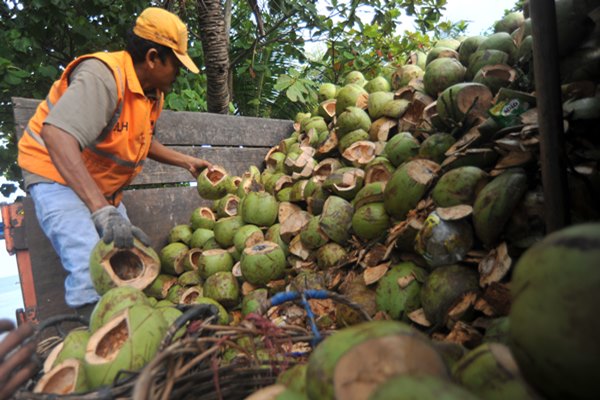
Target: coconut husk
461,333
294,224
497,295
381,128
373,274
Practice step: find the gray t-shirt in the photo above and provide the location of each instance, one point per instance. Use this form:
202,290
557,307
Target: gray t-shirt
85,108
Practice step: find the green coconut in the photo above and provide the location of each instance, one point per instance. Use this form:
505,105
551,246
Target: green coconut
440,52
175,294
407,186
468,47
495,204
459,186
312,236
401,148
553,327
127,342
73,346
180,233
481,58
274,163
370,193
160,286
448,293
111,266
294,378
114,301
380,169
336,219
500,41
443,242
259,208
404,74
352,137
213,183
352,362
420,387
327,91
352,118
490,372
509,22
262,263
355,77
189,278
284,194
376,103
222,315
330,255
255,302
247,235
272,235
202,217
395,109
464,102
370,221
222,287
317,123
171,258
225,229
170,314
496,77
398,291
326,110
66,378
213,261
345,182
200,236
441,74
418,58
350,96
227,206
377,84
435,146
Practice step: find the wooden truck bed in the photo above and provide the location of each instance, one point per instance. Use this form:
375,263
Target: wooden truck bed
156,201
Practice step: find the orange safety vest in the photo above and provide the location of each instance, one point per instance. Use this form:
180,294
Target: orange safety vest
118,153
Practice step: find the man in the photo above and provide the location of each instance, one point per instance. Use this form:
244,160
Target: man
89,139
18,361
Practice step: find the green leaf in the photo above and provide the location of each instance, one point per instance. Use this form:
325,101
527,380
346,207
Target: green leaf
283,82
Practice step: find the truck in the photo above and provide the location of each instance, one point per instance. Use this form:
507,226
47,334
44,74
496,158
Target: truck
159,198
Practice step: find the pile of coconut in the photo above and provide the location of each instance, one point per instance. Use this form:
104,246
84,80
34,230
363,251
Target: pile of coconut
413,194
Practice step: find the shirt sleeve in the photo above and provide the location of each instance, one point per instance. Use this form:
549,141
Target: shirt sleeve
88,104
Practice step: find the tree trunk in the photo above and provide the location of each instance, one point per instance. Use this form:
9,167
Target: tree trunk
216,54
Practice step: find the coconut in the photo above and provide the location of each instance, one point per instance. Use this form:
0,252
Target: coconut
213,183
352,362
200,237
68,377
274,163
247,235
259,208
160,286
417,58
350,138
114,301
420,387
272,235
327,91
481,58
509,22
175,294
398,291
336,219
359,294
360,153
441,74
330,255
442,242
222,287
227,206
380,169
127,342
448,293
496,76
189,278
401,148
500,41
170,314
495,204
376,103
225,229
317,123
111,266
459,186
180,233
356,78
435,146
255,302
312,236
326,110
294,378
262,263
172,257
202,217
352,118
490,372
407,186
370,193
251,179
468,47
553,326
377,84
213,261
370,221
464,102
440,52
73,346
345,182
404,74
350,96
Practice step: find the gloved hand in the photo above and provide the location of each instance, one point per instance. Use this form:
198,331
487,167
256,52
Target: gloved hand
112,226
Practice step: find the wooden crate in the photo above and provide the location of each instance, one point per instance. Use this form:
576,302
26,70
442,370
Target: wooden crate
230,141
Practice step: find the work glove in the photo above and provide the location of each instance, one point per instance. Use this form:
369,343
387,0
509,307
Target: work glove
112,226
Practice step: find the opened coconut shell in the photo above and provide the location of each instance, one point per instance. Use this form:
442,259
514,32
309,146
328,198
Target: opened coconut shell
214,183
68,377
421,387
398,292
114,301
262,263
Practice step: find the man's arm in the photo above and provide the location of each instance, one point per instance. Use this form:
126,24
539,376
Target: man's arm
66,156
159,152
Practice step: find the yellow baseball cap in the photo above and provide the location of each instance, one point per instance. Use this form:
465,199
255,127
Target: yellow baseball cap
163,27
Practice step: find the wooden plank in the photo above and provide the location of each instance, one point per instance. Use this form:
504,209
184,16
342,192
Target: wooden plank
235,160
194,128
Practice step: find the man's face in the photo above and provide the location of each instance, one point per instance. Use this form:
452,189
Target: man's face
165,73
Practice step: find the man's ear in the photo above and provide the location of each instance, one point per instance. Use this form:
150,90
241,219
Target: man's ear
151,57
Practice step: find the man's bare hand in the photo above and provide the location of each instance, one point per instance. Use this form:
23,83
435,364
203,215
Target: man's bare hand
197,165
18,362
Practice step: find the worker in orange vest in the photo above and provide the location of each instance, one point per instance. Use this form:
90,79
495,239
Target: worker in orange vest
89,138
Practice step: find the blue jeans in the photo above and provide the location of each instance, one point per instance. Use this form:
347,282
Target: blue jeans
67,222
